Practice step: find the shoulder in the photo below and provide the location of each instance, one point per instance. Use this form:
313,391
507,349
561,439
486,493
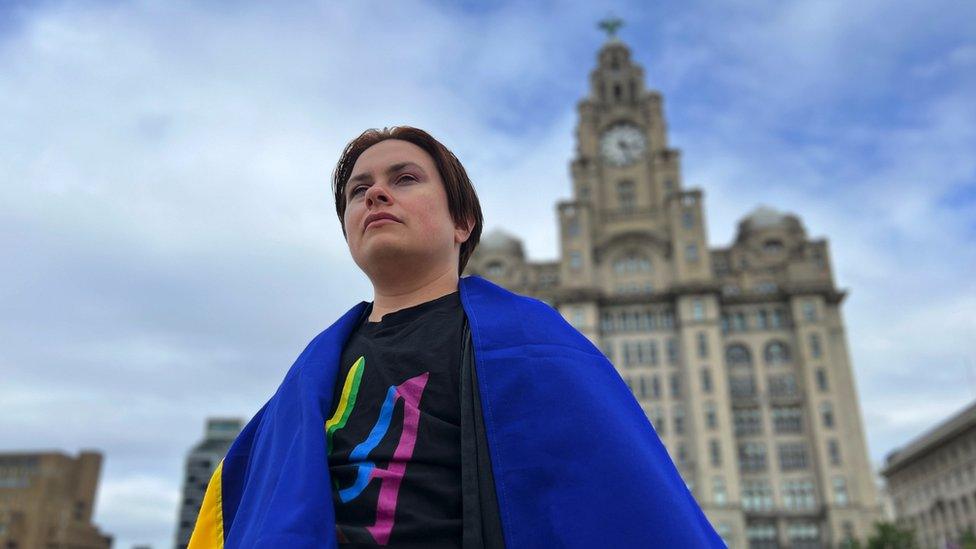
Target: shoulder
506,318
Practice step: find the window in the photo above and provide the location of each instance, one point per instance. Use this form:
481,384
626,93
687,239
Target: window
840,491
643,387
766,287
799,495
657,420
742,387
827,414
676,385
572,228
633,262
773,246
629,321
757,495
748,421
809,311
667,320
697,310
643,321
495,269
788,419
715,452
655,387
762,320
762,536
739,322
672,351
706,380
783,385
833,448
652,352
815,350
779,318
792,456
625,195
647,320
737,354
702,345
718,491
711,419
579,317
724,531
575,261
804,535
679,420
777,353
822,380
688,219
752,457
691,252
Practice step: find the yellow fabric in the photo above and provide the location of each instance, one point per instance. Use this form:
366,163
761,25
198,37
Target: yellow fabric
209,530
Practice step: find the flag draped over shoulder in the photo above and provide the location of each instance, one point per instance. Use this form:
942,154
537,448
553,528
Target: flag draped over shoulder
575,461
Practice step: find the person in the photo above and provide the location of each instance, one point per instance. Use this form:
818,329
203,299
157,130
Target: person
448,411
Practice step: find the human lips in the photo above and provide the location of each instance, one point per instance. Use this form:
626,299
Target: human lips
377,217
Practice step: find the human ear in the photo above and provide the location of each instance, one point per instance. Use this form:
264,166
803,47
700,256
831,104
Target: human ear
462,233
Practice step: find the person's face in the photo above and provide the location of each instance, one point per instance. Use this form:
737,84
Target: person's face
399,178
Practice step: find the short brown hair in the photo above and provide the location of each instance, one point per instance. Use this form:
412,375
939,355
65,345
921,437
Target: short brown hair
462,201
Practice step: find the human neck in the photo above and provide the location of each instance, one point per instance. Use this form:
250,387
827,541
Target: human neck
402,292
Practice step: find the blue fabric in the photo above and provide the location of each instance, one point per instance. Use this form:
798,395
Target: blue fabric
576,463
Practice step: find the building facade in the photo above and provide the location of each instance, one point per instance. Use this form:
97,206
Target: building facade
47,499
738,355
201,462
932,481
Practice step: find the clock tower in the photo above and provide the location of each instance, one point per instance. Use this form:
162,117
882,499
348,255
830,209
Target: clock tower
737,354
630,226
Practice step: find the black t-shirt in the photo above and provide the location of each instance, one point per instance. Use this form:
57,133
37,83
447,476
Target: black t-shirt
394,429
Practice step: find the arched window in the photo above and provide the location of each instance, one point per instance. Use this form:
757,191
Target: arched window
742,384
773,246
737,355
777,353
632,262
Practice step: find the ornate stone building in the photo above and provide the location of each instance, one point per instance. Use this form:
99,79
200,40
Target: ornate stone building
738,355
932,481
47,499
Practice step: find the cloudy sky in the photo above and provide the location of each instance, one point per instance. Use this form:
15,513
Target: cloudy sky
169,246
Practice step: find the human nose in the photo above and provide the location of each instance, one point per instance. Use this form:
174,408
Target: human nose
377,193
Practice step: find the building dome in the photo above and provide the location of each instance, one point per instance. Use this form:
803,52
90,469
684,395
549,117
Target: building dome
498,241
764,216
764,220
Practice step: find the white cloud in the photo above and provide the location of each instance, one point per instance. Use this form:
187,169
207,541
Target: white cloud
167,224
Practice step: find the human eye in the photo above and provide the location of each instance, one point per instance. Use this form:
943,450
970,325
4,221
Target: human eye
356,190
406,177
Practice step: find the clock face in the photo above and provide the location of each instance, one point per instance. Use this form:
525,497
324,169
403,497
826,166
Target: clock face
622,144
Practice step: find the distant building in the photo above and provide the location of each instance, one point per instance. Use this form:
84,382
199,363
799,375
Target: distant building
47,500
738,354
932,481
200,465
